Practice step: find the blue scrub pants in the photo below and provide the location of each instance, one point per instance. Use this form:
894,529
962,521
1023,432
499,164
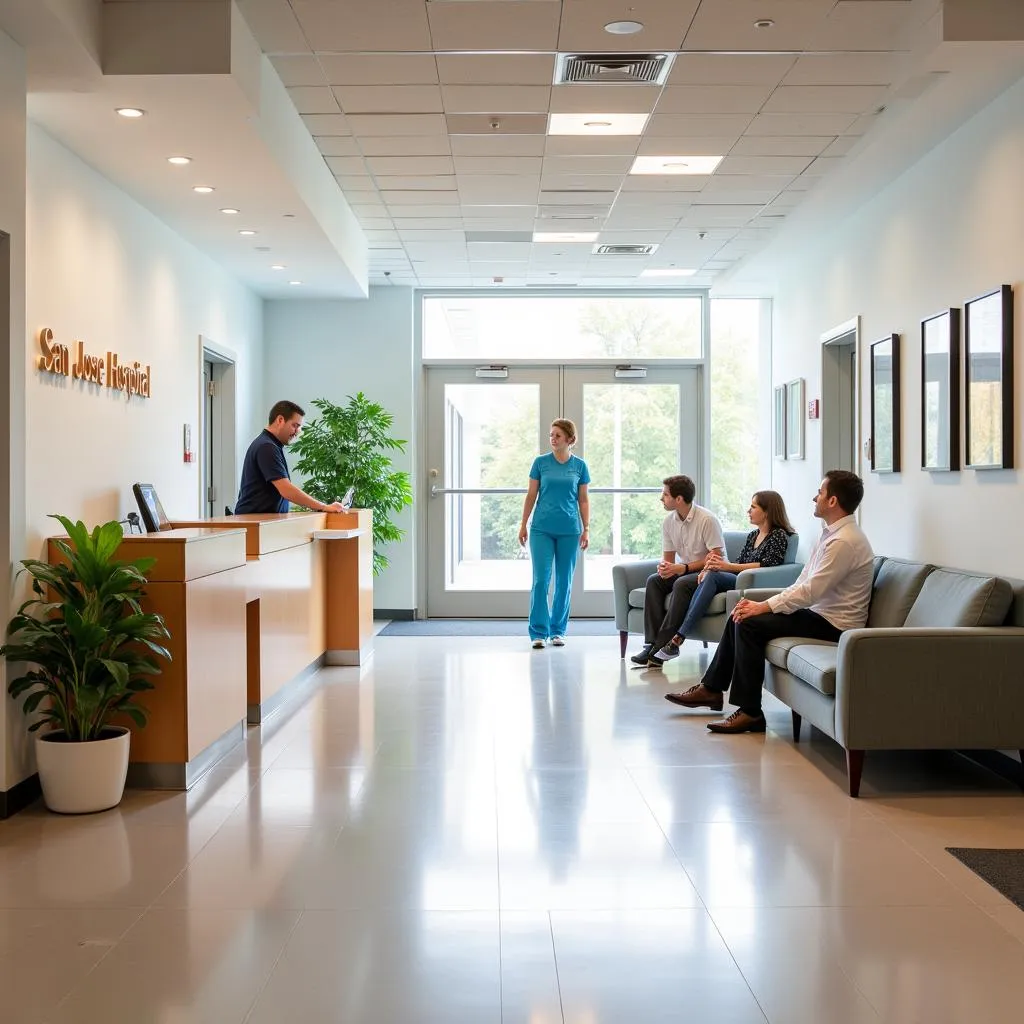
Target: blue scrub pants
546,549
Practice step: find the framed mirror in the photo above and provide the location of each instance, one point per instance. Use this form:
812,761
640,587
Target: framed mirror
885,405
988,379
940,391
780,421
795,419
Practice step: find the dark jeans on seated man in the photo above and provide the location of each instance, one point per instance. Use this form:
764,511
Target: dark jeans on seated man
665,606
738,664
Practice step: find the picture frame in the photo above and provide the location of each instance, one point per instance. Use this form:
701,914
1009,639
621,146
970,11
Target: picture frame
940,392
885,405
780,421
988,380
795,419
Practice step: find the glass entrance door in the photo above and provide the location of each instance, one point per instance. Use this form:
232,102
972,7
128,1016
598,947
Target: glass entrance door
484,427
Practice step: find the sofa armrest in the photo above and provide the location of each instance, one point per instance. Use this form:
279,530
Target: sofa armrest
923,688
777,576
733,597
627,576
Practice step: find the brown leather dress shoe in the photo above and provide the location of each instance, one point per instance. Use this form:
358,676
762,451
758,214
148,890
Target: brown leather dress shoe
698,696
739,721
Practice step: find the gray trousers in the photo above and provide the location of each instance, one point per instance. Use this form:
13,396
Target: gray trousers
665,606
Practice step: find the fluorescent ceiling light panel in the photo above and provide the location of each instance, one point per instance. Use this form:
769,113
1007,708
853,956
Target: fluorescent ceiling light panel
675,164
667,272
597,124
565,236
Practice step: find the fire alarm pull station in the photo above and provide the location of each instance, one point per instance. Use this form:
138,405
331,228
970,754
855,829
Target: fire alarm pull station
187,442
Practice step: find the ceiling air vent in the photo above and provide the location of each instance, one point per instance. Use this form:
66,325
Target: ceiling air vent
623,250
613,68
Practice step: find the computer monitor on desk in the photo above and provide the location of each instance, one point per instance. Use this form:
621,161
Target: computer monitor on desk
153,514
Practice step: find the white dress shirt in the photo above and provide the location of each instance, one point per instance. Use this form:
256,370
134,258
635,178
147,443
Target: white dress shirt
693,537
836,581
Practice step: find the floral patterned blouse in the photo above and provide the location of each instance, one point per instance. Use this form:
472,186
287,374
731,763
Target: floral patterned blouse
771,552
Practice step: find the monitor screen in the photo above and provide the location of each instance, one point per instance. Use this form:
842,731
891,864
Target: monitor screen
153,514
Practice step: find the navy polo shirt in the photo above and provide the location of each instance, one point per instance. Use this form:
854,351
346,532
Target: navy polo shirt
264,462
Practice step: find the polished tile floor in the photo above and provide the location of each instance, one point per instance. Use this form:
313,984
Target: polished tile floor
470,831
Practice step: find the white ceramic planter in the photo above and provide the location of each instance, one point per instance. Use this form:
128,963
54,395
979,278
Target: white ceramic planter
79,778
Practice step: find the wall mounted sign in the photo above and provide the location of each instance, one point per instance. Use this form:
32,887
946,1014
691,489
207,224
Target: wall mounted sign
106,371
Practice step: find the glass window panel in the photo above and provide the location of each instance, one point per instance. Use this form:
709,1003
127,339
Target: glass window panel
567,327
482,548
623,528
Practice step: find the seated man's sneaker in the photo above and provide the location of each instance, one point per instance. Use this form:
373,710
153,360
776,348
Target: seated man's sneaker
698,696
667,653
538,645
643,656
739,721
558,641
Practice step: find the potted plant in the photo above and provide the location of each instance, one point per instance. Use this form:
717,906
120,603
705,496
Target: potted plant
346,447
90,650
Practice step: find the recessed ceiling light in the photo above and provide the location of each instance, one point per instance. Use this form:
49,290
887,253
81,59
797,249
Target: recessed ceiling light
675,164
131,112
278,266
228,209
565,236
180,161
247,231
596,124
668,272
295,282
202,188
764,23
624,28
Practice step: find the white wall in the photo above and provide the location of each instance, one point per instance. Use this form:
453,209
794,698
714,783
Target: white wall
12,369
103,269
332,349
949,228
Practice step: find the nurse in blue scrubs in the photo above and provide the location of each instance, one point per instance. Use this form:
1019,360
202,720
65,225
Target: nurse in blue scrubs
558,499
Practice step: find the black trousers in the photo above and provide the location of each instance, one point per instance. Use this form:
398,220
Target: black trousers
738,665
665,606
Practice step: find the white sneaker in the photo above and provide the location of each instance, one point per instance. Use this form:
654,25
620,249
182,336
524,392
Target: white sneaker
558,641
538,645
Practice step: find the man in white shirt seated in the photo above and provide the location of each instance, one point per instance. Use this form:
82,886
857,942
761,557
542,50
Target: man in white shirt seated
689,533
831,594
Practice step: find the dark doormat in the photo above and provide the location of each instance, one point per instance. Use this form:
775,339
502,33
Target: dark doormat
491,627
1002,869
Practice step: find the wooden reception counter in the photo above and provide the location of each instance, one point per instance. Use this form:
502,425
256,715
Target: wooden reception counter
254,604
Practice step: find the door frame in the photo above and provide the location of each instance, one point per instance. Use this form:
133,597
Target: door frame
225,481
836,385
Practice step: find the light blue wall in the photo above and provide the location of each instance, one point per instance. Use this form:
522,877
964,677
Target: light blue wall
335,348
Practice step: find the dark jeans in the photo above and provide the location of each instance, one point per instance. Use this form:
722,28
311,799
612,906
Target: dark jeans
665,606
714,583
738,665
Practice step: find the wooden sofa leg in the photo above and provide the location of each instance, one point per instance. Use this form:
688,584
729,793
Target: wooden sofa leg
797,722
854,767
623,640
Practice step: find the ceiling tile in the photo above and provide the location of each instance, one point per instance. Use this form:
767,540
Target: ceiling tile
379,68
735,196
713,99
616,164
846,69
664,182
346,164
822,165
721,126
875,25
729,25
497,145
825,99
298,70
791,145
664,24
718,216
495,99
404,145
427,212
419,165
498,188
493,25
347,26
685,146
337,145
349,183
498,165
396,124
747,165
604,99
499,250
508,124
314,100
580,182
730,69
433,183
800,124
406,224
577,197
389,99
496,68
275,26
418,198
590,145
841,146
326,124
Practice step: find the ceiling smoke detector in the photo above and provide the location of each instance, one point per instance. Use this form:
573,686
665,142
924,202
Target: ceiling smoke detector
613,68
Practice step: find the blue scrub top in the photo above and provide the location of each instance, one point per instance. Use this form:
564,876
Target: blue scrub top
557,510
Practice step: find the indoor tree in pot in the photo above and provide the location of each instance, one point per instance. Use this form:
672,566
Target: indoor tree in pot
90,649
347,446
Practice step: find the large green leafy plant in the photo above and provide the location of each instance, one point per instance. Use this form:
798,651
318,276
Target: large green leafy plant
92,649
349,446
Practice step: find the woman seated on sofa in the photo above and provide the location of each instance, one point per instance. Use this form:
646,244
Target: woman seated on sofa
765,545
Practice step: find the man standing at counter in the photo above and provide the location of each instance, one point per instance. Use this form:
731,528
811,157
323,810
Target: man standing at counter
266,485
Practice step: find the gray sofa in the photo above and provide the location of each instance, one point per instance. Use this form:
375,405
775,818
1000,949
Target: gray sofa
630,578
939,666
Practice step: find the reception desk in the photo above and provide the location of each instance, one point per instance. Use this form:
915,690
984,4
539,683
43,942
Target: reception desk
254,605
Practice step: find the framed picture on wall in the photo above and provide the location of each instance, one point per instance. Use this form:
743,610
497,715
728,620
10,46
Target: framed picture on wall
940,391
780,421
795,419
885,405
988,379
